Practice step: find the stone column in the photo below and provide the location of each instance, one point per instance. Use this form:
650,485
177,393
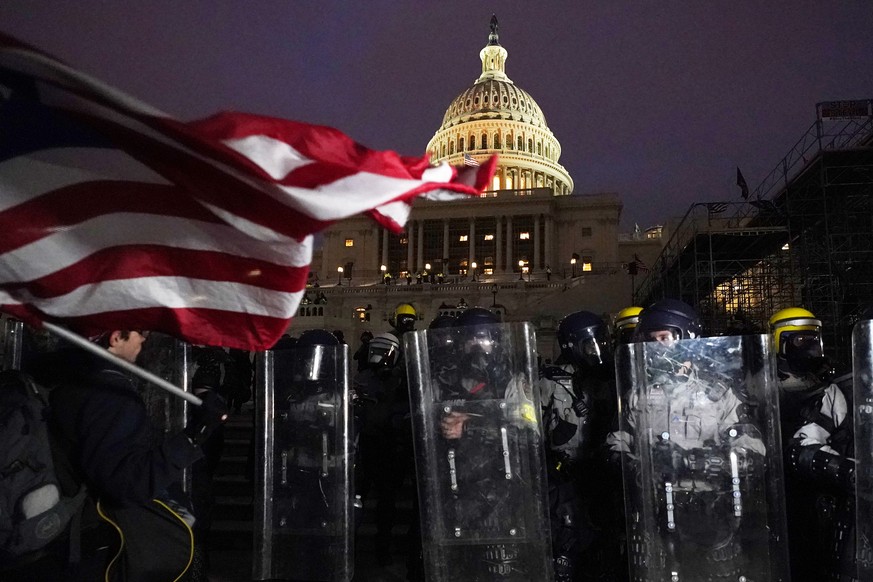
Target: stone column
536,265
384,246
498,246
445,245
420,262
550,259
410,265
509,265
472,241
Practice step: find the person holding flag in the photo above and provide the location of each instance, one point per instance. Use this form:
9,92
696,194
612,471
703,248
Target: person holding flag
117,218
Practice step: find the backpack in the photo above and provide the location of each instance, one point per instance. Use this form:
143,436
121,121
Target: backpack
33,510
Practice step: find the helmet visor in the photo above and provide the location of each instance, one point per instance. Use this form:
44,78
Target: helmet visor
479,340
802,350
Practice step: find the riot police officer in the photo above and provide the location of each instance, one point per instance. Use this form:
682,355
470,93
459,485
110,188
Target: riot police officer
817,432
303,497
695,465
380,400
403,319
479,451
579,405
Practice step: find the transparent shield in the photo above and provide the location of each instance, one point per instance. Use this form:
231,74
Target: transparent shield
702,465
11,343
479,453
862,362
303,481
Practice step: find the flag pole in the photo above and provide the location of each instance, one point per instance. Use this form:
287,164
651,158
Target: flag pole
132,368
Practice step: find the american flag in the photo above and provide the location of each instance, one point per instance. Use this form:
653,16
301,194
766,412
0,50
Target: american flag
114,215
470,160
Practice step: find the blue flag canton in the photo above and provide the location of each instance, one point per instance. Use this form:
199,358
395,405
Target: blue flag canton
27,125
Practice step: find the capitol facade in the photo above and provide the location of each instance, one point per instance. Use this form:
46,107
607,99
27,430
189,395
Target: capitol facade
532,247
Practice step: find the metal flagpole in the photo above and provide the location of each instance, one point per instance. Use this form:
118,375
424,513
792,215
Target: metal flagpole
132,368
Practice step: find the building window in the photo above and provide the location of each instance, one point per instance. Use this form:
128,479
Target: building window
461,144
586,263
404,240
463,238
520,144
496,141
472,142
350,242
488,271
524,236
489,237
586,231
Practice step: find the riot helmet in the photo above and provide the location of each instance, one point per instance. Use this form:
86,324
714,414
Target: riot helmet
404,318
625,324
383,351
667,321
797,337
584,339
316,361
482,363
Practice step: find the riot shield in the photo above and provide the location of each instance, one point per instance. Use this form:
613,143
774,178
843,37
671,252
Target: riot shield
479,453
168,358
303,481
11,343
702,461
862,363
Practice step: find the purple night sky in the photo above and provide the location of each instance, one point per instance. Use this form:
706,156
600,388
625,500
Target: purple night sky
659,102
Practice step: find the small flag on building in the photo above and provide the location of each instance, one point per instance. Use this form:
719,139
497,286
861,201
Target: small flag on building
741,182
716,207
470,160
636,266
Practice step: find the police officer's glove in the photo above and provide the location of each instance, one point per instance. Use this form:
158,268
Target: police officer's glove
206,418
580,405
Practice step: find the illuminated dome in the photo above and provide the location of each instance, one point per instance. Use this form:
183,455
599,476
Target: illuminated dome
495,116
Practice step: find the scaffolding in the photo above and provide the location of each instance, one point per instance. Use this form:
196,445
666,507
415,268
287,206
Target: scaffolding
803,238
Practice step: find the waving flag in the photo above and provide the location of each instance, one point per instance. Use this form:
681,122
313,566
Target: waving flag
470,160
115,215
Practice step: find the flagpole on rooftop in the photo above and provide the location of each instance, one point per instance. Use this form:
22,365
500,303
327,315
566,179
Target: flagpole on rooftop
132,368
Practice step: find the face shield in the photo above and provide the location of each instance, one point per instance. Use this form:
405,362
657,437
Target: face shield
801,352
314,363
381,355
626,335
591,351
404,322
480,341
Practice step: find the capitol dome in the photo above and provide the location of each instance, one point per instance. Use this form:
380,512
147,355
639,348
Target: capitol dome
495,116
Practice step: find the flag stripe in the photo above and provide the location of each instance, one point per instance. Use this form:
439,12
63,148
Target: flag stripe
65,247
170,292
128,262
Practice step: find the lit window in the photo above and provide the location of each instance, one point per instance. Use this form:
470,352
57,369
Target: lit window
489,237
404,241
463,238
524,236
350,242
586,263
488,271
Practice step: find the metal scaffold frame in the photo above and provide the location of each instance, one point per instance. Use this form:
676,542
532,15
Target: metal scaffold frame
803,238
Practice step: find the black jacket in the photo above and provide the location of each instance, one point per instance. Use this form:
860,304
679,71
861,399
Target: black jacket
105,424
